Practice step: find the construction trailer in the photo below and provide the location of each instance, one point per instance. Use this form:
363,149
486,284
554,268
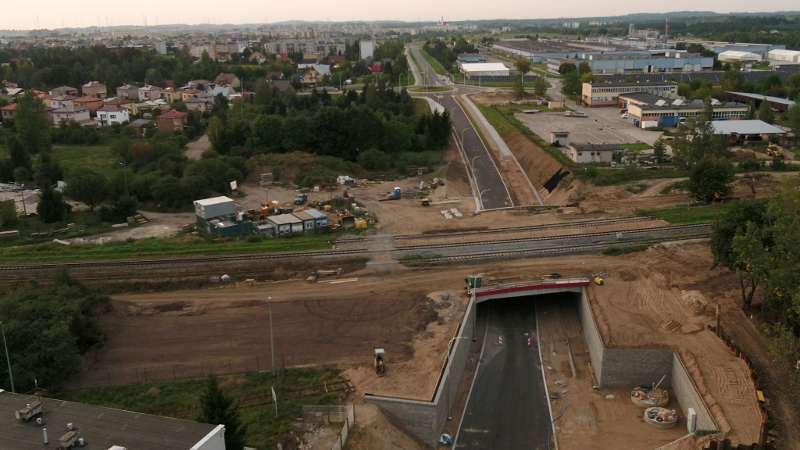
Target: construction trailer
320,219
307,221
285,224
209,208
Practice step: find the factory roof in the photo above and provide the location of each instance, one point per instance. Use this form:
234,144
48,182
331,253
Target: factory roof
768,98
647,83
479,67
745,127
642,97
101,427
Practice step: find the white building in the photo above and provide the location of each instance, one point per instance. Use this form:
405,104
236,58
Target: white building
592,153
366,49
783,55
111,114
485,69
734,55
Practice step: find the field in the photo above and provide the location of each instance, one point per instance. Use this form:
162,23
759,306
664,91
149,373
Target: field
99,158
684,215
432,62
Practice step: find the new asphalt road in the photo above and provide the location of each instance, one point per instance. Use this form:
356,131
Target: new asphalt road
507,408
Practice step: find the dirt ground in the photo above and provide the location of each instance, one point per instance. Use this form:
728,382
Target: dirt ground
661,298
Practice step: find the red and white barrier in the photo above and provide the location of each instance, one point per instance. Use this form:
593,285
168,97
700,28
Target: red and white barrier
529,342
500,340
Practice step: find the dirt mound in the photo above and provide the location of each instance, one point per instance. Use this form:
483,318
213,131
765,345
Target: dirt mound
538,165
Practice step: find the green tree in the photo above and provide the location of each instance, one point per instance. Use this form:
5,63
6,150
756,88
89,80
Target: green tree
215,408
125,206
587,77
735,221
584,68
518,88
266,137
793,118
51,207
33,128
8,213
540,86
571,84
523,65
374,159
765,112
696,138
659,149
709,176
566,68
87,186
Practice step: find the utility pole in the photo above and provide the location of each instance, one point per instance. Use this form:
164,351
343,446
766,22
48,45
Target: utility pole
8,359
271,341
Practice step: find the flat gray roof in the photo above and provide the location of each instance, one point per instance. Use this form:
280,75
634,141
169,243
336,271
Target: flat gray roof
100,427
745,127
768,98
284,219
213,201
644,97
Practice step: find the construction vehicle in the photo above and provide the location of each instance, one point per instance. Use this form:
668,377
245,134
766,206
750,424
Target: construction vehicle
774,151
380,364
598,279
425,201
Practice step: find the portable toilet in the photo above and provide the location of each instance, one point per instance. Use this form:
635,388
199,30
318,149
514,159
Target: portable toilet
398,193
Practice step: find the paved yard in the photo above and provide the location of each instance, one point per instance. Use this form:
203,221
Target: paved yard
602,126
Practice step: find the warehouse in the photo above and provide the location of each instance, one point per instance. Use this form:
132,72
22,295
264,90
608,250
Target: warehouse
791,56
485,70
776,103
607,94
735,55
100,428
666,114
744,128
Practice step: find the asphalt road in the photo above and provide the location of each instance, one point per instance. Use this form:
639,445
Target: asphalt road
507,408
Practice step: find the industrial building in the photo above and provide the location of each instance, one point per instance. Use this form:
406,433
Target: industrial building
68,425
606,94
776,103
790,56
664,113
719,47
592,153
738,56
646,62
306,221
484,69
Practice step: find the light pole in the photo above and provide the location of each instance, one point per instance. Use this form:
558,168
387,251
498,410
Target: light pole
271,342
480,195
472,163
8,359
125,174
449,380
462,135
453,109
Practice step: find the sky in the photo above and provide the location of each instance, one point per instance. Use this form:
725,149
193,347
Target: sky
33,14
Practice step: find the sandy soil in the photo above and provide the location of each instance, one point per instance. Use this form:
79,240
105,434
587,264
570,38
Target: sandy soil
661,298
194,150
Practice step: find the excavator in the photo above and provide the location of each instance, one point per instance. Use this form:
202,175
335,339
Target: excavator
380,365
774,151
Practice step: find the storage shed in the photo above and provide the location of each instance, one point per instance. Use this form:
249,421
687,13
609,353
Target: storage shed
307,219
320,219
208,208
285,224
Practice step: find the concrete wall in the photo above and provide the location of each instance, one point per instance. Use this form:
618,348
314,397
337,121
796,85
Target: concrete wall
684,390
630,368
215,440
426,419
591,334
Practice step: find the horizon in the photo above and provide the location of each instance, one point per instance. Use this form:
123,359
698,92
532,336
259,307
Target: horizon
56,14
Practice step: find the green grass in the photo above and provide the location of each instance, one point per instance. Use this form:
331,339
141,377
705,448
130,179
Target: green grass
682,185
416,63
604,176
636,188
423,260
187,246
99,158
684,215
421,106
637,147
433,63
618,250
497,120
181,399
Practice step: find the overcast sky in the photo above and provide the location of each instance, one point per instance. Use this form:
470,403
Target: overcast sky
65,13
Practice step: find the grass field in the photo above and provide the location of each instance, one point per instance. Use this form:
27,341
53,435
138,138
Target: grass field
604,176
684,215
150,248
495,117
433,63
181,399
636,147
99,158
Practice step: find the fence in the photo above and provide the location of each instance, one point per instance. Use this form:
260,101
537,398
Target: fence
333,414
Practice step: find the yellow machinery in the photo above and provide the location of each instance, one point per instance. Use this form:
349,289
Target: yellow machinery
380,364
772,150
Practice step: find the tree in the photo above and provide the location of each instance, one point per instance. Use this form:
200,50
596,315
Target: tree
793,118
735,221
87,186
710,176
587,77
51,207
659,148
765,112
571,85
8,213
215,408
524,66
33,128
584,68
125,206
566,68
518,88
697,138
540,86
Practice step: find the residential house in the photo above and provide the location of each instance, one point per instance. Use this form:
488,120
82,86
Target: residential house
281,85
226,91
71,113
189,93
315,73
64,90
149,92
275,76
44,97
171,121
130,91
15,92
90,103
61,101
171,94
258,58
9,84
201,104
305,63
111,114
228,79
335,60
7,112
198,84
375,68
95,89
141,126
285,57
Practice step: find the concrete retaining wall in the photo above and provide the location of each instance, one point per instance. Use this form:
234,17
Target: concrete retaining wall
591,334
426,419
630,368
685,391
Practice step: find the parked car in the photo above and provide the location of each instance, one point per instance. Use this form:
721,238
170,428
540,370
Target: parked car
576,114
300,199
530,111
625,116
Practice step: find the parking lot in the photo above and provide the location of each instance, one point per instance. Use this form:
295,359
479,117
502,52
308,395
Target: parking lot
604,125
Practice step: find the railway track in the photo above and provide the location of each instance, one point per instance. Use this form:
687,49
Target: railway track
581,224
668,232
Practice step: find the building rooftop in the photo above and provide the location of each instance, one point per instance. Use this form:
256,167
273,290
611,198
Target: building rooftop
745,127
768,98
283,219
647,83
693,106
484,66
642,97
213,201
596,147
101,427
172,114
302,215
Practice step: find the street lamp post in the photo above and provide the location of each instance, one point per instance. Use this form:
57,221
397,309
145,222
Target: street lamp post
480,195
8,359
472,163
462,135
449,379
271,341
